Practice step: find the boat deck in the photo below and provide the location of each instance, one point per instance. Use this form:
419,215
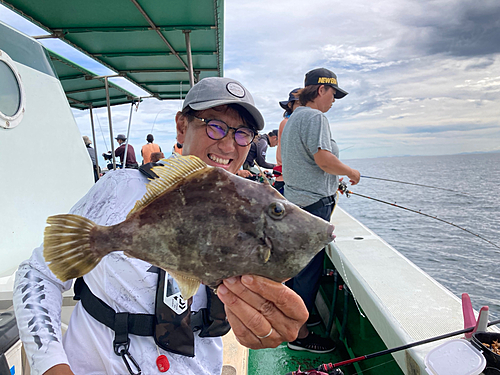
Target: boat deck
402,302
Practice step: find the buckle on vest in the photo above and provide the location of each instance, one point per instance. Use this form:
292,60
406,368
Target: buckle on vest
121,343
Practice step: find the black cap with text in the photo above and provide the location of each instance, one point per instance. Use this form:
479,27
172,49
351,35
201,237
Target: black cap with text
322,76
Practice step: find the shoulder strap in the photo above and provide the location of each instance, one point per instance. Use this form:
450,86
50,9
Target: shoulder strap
138,324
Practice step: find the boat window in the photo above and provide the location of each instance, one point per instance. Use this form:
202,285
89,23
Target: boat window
10,96
11,93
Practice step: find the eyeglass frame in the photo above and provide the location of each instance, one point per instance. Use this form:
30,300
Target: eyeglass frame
207,121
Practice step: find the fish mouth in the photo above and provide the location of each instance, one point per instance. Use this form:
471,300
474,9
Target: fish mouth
219,161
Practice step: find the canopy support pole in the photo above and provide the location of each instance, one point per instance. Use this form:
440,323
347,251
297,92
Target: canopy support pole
110,123
158,31
189,57
128,133
96,166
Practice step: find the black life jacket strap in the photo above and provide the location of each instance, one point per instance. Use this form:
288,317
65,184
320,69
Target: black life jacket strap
211,321
121,323
146,169
137,324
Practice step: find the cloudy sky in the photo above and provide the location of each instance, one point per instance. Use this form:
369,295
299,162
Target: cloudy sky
423,76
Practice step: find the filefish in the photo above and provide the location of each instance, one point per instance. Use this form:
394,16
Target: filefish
201,224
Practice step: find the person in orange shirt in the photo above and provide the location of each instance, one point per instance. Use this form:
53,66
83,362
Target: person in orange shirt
148,149
289,106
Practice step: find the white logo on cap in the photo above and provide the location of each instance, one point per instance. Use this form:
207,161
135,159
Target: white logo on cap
235,89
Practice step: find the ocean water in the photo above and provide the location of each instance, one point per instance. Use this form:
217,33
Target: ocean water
460,261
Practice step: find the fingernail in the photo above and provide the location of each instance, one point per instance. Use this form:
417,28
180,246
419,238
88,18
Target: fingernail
247,279
232,280
222,290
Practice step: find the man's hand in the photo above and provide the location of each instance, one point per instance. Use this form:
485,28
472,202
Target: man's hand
61,369
354,176
262,313
243,173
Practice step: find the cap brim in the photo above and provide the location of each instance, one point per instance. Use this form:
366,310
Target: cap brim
339,94
284,104
254,112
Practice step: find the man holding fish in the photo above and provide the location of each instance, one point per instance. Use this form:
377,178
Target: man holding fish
200,225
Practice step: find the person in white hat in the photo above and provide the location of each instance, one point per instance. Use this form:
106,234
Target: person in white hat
91,151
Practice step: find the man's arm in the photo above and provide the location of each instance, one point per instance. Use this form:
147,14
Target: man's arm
262,313
332,165
243,173
280,132
37,302
59,370
260,158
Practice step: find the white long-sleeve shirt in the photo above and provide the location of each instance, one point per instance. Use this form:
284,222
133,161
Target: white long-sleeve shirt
121,282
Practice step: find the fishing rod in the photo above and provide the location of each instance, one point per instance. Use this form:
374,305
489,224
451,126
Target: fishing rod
411,183
331,366
343,189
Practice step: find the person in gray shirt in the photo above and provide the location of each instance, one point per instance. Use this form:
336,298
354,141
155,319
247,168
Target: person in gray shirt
258,149
311,167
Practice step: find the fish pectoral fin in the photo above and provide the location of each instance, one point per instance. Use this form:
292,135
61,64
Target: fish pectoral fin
188,285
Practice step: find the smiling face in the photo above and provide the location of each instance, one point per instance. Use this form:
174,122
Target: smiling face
225,152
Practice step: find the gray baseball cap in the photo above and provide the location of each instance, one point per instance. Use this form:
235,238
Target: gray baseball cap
214,91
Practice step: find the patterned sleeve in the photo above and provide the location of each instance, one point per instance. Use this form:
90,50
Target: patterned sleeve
38,292
37,303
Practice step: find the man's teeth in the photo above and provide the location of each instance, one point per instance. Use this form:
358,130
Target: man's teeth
219,160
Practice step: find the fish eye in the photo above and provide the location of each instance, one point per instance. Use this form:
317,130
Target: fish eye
276,210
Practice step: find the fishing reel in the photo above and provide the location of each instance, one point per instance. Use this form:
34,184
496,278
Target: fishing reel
343,189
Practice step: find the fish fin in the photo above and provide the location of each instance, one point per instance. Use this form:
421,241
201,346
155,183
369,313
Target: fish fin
66,245
172,171
188,285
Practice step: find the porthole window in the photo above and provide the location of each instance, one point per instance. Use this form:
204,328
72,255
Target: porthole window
11,93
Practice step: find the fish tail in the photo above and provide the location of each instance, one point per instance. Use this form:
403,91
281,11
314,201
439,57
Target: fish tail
67,246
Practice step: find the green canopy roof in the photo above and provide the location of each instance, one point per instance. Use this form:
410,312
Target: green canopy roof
82,90
155,44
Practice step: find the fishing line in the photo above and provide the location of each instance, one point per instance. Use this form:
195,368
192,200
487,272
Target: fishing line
347,148
344,277
343,188
154,122
411,183
371,368
99,122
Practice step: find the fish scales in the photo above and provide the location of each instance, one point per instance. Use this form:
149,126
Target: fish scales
204,226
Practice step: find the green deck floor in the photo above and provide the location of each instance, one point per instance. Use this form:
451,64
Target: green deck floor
359,338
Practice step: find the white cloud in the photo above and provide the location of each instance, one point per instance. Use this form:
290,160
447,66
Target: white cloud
422,77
